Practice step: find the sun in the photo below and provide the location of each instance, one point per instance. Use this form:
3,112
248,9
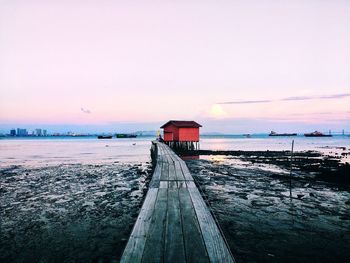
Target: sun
217,111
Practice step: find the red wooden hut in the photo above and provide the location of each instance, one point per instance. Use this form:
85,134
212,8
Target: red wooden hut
181,133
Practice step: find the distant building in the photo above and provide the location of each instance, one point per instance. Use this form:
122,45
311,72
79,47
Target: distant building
13,132
44,132
38,132
22,132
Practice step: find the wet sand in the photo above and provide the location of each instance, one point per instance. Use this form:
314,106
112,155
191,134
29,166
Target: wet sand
248,193
69,213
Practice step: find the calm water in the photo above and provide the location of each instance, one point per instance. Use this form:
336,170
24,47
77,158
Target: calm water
328,145
51,150
264,142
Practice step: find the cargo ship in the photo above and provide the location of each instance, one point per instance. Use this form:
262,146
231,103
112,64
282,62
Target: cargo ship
317,134
104,137
125,135
272,133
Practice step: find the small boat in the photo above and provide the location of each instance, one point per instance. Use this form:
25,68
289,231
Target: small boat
125,135
317,134
272,133
104,137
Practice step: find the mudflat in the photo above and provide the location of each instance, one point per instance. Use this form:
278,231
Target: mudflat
70,212
249,194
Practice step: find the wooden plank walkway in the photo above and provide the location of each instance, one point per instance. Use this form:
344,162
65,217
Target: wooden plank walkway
174,224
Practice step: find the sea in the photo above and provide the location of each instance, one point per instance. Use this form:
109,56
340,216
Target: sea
75,199
67,150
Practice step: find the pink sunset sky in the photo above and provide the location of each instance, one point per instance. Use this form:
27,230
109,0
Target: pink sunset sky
224,63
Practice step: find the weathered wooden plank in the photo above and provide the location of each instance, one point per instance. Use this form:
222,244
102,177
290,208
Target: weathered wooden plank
181,184
161,155
172,184
172,175
178,171
160,159
163,184
194,245
135,246
177,158
165,172
167,155
185,171
167,149
159,149
174,244
164,153
154,247
164,148
215,245
156,176
191,184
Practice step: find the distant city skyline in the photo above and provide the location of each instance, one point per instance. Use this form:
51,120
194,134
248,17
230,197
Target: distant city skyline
234,66
223,126
24,132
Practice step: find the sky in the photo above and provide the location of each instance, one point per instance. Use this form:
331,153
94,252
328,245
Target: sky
233,66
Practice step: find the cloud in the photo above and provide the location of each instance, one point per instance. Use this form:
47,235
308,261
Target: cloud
336,96
295,98
246,102
85,110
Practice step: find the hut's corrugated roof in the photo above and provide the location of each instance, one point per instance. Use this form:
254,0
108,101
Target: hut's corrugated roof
182,124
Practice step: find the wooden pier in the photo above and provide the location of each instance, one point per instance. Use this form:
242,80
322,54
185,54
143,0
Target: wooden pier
174,224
